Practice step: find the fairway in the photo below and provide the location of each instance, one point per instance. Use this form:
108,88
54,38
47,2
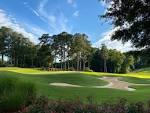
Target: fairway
42,79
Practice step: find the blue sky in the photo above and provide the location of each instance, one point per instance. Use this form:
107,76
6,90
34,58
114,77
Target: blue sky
35,17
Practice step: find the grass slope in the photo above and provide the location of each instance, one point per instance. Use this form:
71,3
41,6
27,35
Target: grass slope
43,78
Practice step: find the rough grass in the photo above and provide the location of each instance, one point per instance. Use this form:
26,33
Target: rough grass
15,94
43,78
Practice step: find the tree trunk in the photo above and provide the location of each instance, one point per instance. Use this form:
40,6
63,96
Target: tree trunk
68,64
2,58
88,64
72,65
52,66
61,64
65,60
23,60
68,56
61,59
11,62
83,64
78,63
32,62
55,62
17,61
105,66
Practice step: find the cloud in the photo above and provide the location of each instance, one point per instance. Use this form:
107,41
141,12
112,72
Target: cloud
72,3
25,3
56,20
38,31
33,10
76,13
103,3
118,45
9,21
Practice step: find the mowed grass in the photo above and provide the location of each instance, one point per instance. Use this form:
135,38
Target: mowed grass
87,79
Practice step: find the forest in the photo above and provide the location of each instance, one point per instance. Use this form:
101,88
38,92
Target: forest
66,51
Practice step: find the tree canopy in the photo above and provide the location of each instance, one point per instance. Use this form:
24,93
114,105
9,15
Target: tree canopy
131,18
65,51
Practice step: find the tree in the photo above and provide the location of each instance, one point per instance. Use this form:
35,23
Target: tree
86,51
115,60
19,50
45,51
81,49
96,63
131,19
61,47
4,35
141,58
33,55
128,64
104,56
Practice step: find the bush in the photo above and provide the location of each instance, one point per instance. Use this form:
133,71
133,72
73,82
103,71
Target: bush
2,64
42,105
15,94
87,69
71,69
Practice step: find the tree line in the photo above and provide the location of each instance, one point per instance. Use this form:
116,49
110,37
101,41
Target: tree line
64,51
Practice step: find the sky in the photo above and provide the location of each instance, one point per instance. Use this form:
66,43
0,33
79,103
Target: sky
33,18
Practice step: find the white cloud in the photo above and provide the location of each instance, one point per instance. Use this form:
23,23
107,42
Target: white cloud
33,10
57,22
9,21
25,3
106,39
38,31
76,13
103,3
72,3
106,5
52,18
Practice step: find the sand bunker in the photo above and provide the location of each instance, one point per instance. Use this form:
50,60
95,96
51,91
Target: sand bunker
114,83
64,85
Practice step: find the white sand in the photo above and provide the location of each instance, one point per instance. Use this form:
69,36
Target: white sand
114,83
64,85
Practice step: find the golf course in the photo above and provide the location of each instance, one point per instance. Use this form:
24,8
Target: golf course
75,56
71,85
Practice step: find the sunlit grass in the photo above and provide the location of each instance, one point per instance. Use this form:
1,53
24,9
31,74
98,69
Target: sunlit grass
43,78
144,73
31,70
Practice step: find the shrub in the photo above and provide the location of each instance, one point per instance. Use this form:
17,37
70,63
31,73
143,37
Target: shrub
87,69
42,105
71,69
15,94
2,64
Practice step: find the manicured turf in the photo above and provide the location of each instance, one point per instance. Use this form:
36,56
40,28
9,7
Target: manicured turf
136,80
43,78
